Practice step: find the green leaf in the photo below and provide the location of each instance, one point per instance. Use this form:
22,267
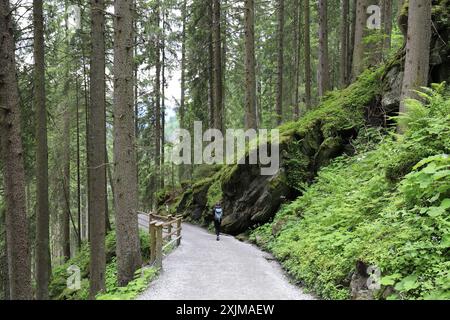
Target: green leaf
390,280
408,283
445,204
445,242
435,211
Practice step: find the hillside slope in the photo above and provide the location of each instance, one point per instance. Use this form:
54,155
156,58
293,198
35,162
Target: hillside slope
388,207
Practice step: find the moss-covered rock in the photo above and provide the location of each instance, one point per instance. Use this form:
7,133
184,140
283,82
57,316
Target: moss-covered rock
249,198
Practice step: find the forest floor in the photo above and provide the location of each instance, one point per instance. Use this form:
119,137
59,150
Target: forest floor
202,268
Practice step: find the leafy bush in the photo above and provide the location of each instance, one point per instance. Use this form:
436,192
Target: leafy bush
58,286
355,211
142,278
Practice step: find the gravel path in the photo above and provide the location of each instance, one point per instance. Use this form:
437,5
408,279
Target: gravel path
205,269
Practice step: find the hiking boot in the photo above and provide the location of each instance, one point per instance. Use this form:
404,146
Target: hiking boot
217,238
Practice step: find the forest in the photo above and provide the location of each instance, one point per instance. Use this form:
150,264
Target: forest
354,93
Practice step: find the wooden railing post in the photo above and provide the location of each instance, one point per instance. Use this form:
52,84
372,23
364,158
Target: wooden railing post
152,229
178,231
159,244
169,227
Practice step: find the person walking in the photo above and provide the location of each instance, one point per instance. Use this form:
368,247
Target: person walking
217,214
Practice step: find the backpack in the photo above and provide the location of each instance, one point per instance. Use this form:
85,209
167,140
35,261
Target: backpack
218,213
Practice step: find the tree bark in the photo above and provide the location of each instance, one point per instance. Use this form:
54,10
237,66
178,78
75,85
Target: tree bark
343,75
323,68
386,18
280,63
163,98
157,91
223,27
359,46
128,246
19,262
42,210
250,77
211,103
217,66
182,167
307,56
351,41
97,196
4,278
417,51
65,194
297,33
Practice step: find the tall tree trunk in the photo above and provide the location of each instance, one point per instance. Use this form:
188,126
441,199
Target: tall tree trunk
157,91
343,75
128,246
97,196
323,68
297,33
211,103
65,197
163,98
19,262
42,210
182,167
280,63
77,116
136,93
417,51
351,40
386,18
307,56
360,32
223,27
250,77
217,66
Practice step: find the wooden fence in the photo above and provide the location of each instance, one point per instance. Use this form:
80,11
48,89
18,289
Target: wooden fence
164,232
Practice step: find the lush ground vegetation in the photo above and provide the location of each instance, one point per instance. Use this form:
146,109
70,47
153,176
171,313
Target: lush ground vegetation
58,286
387,205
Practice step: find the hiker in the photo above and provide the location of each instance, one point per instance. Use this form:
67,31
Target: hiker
217,213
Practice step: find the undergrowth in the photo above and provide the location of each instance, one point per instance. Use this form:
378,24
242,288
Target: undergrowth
388,206
59,290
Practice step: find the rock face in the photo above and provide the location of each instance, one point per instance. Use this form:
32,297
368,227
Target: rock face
391,96
250,198
358,284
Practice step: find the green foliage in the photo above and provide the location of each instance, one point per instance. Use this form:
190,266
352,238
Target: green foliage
355,212
214,194
142,278
427,125
58,284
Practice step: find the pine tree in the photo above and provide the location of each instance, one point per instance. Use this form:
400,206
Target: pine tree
217,66
250,77
97,151
323,68
417,50
307,44
280,62
19,259
128,246
42,209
